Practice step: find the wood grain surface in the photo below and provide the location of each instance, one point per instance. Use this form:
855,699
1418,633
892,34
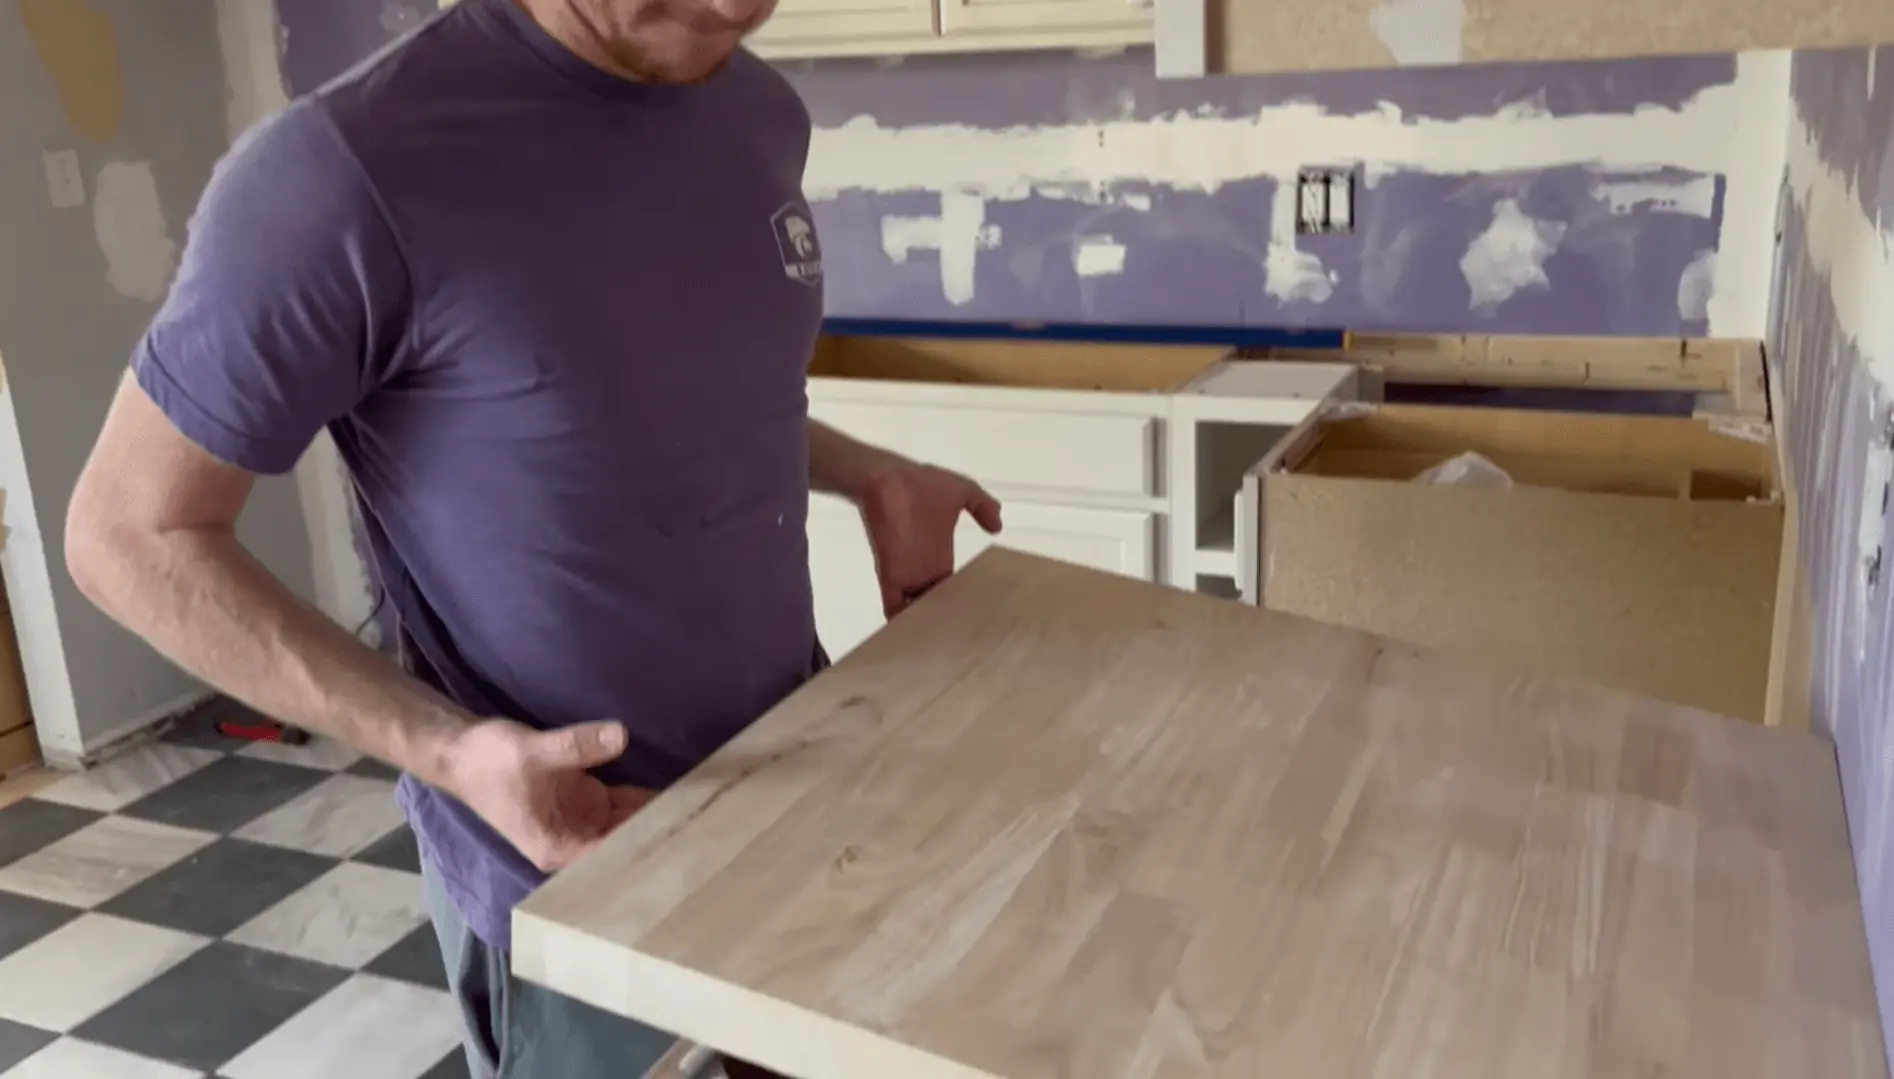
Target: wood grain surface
1055,823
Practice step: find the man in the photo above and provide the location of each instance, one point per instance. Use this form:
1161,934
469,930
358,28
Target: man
545,272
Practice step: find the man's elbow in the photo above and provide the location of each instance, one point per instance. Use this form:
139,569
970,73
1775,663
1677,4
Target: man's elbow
100,548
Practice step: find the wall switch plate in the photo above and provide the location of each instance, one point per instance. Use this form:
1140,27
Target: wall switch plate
1325,201
64,182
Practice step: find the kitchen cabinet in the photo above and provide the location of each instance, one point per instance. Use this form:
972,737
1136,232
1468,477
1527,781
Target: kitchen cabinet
1127,17
1657,540
842,568
1121,458
807,29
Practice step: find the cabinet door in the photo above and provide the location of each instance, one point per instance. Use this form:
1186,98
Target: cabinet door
841,22
842,568
1093,22
1116,541
842,572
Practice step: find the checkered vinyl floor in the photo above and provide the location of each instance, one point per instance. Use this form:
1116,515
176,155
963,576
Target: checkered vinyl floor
199,907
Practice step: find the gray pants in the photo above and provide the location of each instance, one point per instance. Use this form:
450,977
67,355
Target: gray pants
517,1030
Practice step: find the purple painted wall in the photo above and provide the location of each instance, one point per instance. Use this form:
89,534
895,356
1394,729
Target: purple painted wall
1194,257
1836,414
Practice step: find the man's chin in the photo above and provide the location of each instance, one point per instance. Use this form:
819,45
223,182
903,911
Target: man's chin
684,67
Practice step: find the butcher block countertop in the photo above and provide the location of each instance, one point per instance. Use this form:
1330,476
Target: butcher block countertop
1056,823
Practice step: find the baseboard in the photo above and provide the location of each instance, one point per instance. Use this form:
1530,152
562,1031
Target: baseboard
100,746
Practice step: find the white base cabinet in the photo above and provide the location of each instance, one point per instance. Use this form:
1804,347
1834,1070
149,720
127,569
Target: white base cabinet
1107,456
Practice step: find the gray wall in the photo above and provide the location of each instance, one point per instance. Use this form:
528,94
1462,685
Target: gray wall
67,332
1838,412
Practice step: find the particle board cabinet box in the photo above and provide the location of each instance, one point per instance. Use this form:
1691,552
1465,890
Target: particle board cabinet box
1641,553
18,743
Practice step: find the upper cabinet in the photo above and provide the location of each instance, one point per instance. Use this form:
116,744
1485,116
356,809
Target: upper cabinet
817,28
844,27
1195,37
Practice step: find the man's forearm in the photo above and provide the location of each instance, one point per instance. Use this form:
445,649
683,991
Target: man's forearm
840,465
210,607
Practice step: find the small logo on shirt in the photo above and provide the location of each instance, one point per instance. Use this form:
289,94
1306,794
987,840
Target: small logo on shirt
796,241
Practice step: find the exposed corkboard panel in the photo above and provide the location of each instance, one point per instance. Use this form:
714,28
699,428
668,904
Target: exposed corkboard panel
78,44
1265,35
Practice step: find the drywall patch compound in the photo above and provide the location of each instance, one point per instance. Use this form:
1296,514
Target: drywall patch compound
128,217
1854,253
1509,256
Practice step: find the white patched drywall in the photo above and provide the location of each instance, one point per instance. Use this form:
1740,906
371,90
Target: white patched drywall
1728,131
128,218
1509,257
1855,253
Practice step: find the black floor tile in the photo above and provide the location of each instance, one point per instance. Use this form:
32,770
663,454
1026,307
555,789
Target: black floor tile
226,794
371,768
27,826
452,1066
417,959
211,1007
220,887
24,920
396,850
17,1042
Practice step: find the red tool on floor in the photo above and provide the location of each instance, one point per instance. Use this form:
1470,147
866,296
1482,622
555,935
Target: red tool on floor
232,720
265,731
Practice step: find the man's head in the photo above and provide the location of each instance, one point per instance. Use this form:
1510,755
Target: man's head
664,41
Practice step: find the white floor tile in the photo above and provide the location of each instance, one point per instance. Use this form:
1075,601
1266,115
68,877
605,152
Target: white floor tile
323,753
367,1028
80,969
100,860
123,780
346,917
70,1058
338,817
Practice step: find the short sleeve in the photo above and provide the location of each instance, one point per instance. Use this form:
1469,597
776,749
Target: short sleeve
291,302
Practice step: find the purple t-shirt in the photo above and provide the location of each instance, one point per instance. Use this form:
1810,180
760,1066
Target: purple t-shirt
559,325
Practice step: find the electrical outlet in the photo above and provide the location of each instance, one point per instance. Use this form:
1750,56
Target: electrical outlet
64,182
1325,201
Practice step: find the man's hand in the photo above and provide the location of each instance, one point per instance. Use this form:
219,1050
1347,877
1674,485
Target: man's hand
911,512
533,788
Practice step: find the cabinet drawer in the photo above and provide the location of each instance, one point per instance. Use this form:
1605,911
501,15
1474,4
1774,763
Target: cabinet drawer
1090,453
842,568
1116,541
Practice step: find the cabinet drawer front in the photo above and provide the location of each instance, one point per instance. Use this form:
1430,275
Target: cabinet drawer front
1129,21
1116,541
1061,451
842,568
845,20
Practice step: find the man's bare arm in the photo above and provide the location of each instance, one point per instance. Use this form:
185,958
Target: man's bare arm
150,538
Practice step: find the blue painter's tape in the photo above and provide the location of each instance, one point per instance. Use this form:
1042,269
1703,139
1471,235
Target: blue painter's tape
1234,336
